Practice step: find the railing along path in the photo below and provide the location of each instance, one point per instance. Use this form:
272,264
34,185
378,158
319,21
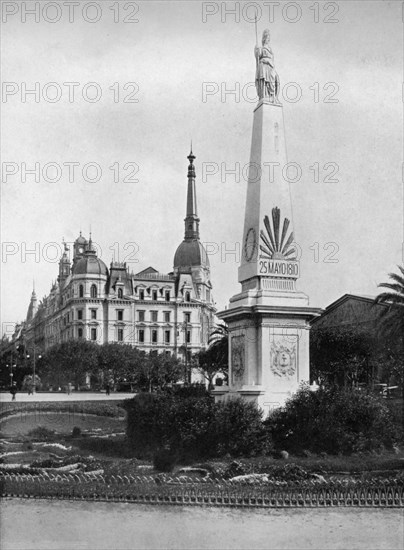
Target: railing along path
165,489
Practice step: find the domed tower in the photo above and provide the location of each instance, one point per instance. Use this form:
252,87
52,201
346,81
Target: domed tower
87,262
191,257
89,283
191,254
79,247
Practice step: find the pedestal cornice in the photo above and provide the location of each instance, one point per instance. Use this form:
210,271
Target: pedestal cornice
243,312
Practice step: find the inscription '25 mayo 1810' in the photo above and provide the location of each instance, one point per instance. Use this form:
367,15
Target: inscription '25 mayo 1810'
279,268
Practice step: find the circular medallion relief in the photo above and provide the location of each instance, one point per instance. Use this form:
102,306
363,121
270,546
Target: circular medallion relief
250,244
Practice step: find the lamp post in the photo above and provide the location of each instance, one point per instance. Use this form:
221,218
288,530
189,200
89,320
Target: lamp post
11,367
33,369
185,329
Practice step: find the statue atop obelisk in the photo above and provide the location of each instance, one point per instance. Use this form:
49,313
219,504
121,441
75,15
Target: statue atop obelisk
269,320
266,78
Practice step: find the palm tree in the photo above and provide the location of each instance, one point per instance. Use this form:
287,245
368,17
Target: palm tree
393,315
215,359
221,331
392,319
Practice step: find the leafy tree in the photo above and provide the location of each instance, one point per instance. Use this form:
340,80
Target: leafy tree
120,363
159,370
70,361
341,355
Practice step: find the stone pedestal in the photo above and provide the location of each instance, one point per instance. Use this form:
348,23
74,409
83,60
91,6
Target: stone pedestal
269,321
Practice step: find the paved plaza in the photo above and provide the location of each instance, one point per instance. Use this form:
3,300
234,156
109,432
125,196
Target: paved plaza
58,525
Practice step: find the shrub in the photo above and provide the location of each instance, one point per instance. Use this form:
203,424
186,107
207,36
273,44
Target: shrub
42,434
164,460
156,421
332,420
76,432
193,426
239,429
234,469
145,422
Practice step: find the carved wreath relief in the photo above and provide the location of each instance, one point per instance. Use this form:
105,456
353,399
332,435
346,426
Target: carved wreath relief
283,358
237,358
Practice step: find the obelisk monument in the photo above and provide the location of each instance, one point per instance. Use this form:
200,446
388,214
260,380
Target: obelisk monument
269,321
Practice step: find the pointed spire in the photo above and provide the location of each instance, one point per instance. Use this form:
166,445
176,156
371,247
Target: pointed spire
191,220
191,168
90,249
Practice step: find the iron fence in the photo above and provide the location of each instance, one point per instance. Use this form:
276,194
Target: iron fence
184,490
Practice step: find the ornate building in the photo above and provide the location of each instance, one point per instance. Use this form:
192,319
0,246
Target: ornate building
170,313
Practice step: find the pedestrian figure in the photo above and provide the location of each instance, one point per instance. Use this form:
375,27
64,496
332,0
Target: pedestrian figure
13,391
107,388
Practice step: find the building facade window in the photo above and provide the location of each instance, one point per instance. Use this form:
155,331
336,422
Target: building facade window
81,291
167,316
141,294
141,336
154,295
167,295
154,316
120,334
119,314
188,336
120,293
167,336
79,314
187,297
187,317
93,314
154,336
93,334
93,291
141,316
80,333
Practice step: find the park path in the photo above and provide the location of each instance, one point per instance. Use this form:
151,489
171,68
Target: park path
41,397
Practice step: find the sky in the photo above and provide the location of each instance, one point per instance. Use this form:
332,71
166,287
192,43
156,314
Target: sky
146,78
